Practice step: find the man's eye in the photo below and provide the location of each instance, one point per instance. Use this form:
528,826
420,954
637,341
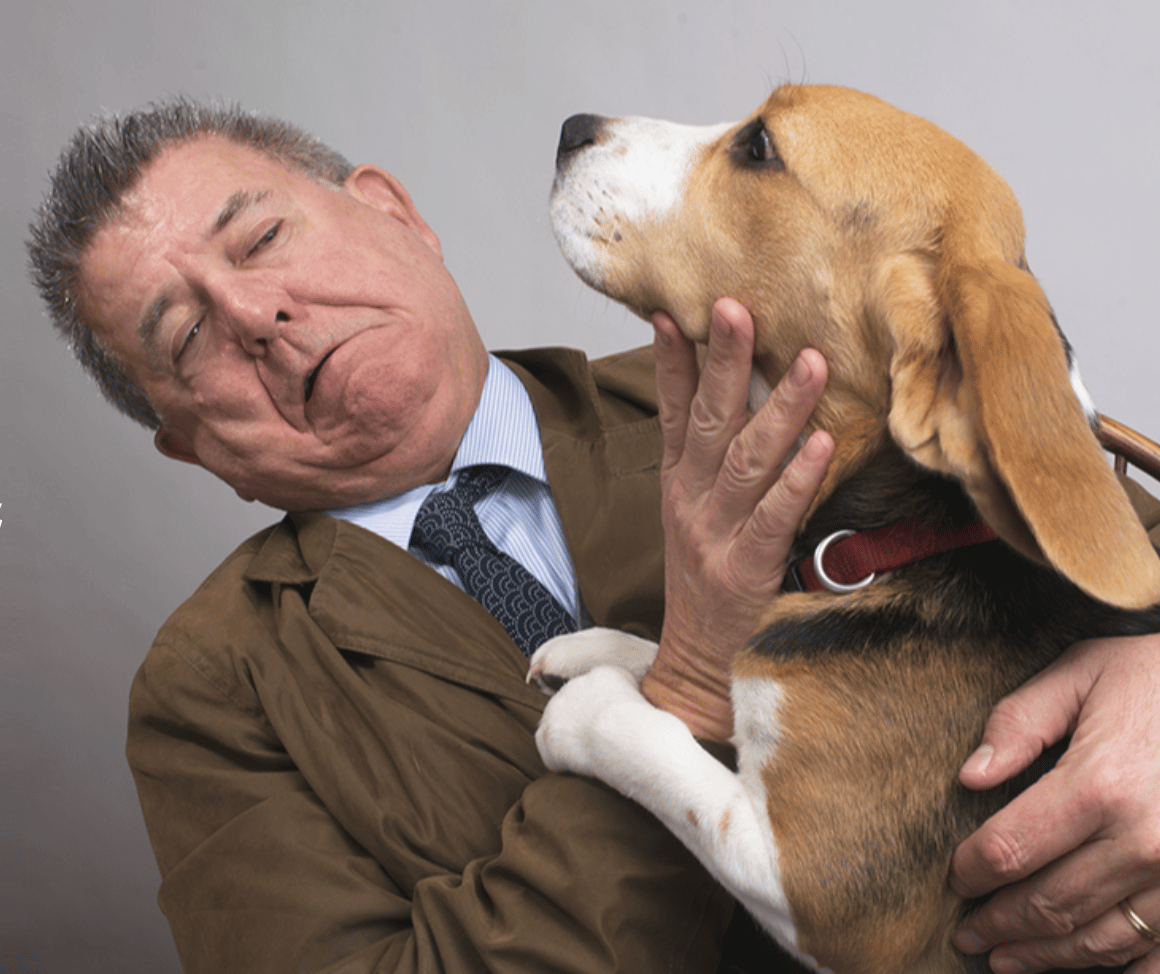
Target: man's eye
189,337
266,238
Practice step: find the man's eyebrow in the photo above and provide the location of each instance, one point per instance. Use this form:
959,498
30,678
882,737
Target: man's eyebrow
238,202
149,326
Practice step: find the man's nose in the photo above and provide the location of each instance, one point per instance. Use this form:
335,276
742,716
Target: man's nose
255,311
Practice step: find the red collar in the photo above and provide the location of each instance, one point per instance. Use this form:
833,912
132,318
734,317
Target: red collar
848,560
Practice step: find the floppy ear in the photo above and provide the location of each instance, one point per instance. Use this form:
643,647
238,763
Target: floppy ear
987,397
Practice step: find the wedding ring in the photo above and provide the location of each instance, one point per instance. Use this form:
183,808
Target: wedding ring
1137,923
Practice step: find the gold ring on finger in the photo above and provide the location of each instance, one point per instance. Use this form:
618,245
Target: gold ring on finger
1137,922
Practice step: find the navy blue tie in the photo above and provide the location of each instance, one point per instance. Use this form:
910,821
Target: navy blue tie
448,531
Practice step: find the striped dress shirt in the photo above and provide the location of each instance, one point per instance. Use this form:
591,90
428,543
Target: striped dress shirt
519,516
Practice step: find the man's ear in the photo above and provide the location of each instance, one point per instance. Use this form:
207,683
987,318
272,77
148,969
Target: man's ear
378,188
174,445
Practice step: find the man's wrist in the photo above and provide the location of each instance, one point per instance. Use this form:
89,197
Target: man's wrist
703,701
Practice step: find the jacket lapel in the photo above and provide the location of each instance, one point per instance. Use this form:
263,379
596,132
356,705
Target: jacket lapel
602,451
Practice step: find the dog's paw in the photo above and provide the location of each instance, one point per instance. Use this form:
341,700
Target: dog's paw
565,657
590,721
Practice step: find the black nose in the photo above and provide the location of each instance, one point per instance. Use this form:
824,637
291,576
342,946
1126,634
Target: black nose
577,132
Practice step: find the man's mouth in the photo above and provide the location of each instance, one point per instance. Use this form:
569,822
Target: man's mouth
312,375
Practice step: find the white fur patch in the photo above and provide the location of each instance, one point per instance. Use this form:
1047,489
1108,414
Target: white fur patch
756,711
600,725
565,657
637,169
1081,392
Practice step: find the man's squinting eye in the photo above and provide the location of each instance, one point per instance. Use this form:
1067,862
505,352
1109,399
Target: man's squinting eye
266,238
189,337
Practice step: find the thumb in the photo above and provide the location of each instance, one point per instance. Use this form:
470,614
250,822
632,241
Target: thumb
1022,725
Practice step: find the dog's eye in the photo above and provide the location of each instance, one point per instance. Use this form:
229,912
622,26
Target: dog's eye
754,147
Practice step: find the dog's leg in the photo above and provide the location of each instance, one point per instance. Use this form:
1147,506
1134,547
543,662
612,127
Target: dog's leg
600,725
565,657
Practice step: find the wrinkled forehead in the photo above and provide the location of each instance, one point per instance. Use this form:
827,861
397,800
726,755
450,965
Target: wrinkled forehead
182,198
186,187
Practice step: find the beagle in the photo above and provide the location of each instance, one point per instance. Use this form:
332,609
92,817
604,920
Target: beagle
966,475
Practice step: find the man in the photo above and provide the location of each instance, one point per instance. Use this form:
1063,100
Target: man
333,743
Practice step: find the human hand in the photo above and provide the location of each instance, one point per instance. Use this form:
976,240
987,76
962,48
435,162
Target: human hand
730,509
1086,836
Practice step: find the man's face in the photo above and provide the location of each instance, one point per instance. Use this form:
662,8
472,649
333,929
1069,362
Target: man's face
303,342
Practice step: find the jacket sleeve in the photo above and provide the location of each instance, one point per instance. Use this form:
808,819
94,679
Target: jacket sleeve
261,872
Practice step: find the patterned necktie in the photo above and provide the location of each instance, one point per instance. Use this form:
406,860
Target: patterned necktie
448,531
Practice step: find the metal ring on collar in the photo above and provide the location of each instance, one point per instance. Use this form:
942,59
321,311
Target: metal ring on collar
819,553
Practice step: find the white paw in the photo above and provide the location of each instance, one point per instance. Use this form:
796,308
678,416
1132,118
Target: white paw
565,657
591,720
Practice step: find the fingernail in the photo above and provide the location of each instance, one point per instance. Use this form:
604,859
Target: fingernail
815,448
799,373
977,762
722,324
1007,965
969,942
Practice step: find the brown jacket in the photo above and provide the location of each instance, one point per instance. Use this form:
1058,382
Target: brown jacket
333,745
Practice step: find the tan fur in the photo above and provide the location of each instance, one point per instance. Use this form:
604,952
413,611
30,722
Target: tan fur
894,250
859,756
904,271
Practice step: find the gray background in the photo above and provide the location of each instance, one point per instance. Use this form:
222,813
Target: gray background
101,537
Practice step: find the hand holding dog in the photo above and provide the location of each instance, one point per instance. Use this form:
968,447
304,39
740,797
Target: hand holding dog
1087,835
730,510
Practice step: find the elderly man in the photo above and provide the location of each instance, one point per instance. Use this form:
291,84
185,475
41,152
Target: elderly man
332,739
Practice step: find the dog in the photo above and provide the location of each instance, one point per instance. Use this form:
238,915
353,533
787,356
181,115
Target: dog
961,430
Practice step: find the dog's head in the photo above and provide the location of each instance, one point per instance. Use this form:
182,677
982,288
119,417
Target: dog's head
849,226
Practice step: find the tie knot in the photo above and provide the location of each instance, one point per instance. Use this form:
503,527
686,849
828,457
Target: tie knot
447,529
476,482
447,521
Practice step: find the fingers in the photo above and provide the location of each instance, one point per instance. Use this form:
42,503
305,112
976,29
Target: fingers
1104,692
732,505
1087,834
1039,826
753,462
702,411
1109,940
677,376
1034,717
1045,821
774,523
1148,964
708,431
1058,900
1066,915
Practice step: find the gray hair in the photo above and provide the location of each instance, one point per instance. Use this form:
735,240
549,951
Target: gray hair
102,162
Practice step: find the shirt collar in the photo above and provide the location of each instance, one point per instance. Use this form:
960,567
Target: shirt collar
503,431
